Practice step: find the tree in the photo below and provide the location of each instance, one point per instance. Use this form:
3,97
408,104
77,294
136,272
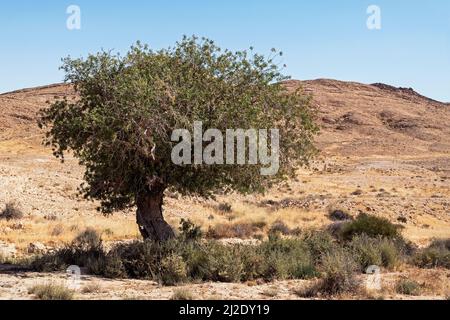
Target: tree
121,123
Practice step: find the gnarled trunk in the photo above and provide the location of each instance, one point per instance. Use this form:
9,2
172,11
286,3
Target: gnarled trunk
150,218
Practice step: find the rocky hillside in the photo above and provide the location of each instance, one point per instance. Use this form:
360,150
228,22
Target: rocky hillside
356,119
378,119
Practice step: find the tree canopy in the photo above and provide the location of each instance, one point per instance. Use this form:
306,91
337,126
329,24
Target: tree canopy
121,123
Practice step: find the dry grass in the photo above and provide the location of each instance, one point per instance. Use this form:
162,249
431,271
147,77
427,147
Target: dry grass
49,232
51,292
182,294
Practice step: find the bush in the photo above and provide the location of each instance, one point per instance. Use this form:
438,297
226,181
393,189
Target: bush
408,287
338,270
88,239
11,212
222,263
339,215
319,243
51,292
368,251
280,227
434,256
173,270
86,250
189,231
391,253
182,295
371,226
365,251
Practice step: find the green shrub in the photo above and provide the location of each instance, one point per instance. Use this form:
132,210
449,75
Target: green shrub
182,295
371,226
368,251
434,256
173,270
391,253
365,251
319,242
221,263
51,292
286,259
189,231
11,212
441,243
86,250
338,270
408,287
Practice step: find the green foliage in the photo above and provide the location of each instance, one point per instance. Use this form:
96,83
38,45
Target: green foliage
189,231
382,252
85,250
319,243
365,251
11,212
182,259
173,270
371,226
435,256
120,125
338,268
51,292
408,287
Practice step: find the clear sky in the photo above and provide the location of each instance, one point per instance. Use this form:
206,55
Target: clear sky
320,39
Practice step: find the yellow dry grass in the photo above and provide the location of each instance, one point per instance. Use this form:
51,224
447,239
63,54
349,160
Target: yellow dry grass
64,230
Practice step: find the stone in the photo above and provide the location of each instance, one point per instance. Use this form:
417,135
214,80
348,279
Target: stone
36,247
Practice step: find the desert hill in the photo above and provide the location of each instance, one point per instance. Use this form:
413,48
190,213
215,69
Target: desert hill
384,151
356,119
378,119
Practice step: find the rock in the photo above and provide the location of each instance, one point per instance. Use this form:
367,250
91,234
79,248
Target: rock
36,247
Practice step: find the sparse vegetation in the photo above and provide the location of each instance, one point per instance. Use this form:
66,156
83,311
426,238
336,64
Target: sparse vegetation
92,287
434,256
371,226
225,207
375,251
270,292
338,269
236,230
182,295
51,292
280,227
408,287
339,215
11,212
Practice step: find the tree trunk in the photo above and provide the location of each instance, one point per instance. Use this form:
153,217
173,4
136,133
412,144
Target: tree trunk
150,218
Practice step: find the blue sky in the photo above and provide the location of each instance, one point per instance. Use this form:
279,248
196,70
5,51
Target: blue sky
320,39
